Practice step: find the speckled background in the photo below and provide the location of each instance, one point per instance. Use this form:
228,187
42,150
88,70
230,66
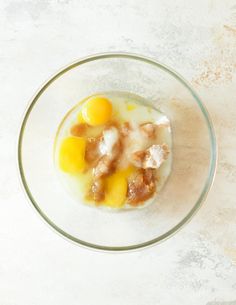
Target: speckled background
198,265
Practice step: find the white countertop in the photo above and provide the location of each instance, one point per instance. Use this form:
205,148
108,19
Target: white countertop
198,265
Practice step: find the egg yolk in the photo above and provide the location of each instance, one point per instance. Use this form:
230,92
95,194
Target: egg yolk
71,155
97,111
116,188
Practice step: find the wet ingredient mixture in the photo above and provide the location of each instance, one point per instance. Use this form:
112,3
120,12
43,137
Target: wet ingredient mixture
114,150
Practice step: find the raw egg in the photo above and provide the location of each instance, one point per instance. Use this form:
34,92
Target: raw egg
97,111
71,155
116,188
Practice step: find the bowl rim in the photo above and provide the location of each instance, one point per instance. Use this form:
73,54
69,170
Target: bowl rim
212,165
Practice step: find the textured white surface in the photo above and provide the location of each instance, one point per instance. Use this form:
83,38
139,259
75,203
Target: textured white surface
198,265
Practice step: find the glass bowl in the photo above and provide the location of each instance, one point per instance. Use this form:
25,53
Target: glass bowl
194,152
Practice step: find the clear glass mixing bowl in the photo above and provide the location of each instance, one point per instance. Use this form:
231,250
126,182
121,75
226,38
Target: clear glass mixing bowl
194,152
